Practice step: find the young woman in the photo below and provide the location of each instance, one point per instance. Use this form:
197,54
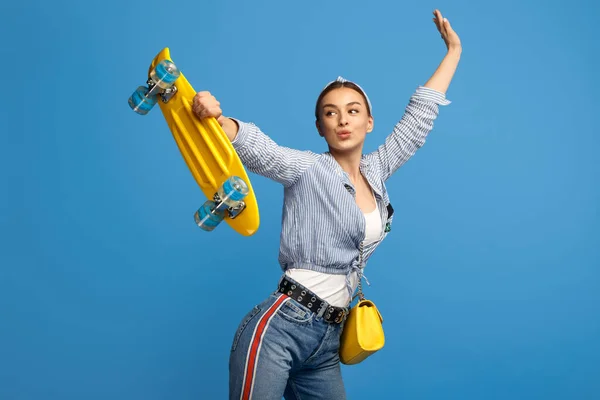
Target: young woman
336,212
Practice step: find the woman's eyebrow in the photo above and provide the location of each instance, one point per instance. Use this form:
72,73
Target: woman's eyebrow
334,106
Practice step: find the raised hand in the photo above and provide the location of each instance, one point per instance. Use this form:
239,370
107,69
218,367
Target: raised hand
443,26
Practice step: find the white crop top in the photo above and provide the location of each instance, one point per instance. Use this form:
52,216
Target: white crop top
331,287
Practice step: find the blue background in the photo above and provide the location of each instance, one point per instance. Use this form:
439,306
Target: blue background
489,282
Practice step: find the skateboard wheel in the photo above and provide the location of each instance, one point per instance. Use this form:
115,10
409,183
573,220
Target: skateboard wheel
207,217
140,102
165,74
232,191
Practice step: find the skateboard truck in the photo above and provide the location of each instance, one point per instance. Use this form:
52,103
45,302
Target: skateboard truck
160,83
234,210
228,201
165,94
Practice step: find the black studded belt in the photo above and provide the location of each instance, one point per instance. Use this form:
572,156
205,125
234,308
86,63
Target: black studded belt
329,313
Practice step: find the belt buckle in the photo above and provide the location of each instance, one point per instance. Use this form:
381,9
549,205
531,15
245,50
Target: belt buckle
341,317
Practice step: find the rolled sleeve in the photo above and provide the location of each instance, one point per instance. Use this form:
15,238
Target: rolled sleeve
428,94
241,138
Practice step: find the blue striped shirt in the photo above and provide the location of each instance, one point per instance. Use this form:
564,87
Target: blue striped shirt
322,226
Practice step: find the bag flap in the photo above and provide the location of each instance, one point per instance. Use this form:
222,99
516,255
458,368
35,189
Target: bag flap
370,304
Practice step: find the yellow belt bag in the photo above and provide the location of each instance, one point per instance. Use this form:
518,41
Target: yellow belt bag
363,331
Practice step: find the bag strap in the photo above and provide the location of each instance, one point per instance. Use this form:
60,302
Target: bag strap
360,294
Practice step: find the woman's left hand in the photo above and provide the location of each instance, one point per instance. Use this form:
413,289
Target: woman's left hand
450,37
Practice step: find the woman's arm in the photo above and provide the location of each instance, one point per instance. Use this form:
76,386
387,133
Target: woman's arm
258,152
442,77
411,131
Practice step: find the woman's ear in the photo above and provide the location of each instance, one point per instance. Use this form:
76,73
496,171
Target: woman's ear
370,125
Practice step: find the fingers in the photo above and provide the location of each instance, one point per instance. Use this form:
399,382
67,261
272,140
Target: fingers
436,21
206,105
437,18
439,22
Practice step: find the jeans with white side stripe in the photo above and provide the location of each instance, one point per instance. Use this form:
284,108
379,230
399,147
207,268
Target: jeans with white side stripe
282,349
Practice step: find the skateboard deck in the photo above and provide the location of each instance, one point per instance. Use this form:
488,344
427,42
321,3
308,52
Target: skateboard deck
206,149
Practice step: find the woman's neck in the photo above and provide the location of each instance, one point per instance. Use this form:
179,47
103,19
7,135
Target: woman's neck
350,163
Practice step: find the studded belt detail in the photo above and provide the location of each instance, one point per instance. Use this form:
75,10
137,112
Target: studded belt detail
331,314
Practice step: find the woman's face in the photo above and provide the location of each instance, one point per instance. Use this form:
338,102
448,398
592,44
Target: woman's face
344,120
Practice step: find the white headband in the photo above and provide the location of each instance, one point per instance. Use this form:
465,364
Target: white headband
340,79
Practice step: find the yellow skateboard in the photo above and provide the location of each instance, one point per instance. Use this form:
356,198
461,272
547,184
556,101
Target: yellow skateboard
204,146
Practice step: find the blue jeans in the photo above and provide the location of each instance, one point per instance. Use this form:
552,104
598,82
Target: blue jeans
282,349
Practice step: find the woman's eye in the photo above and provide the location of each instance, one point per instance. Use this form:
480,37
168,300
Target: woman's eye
353,111
329,113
